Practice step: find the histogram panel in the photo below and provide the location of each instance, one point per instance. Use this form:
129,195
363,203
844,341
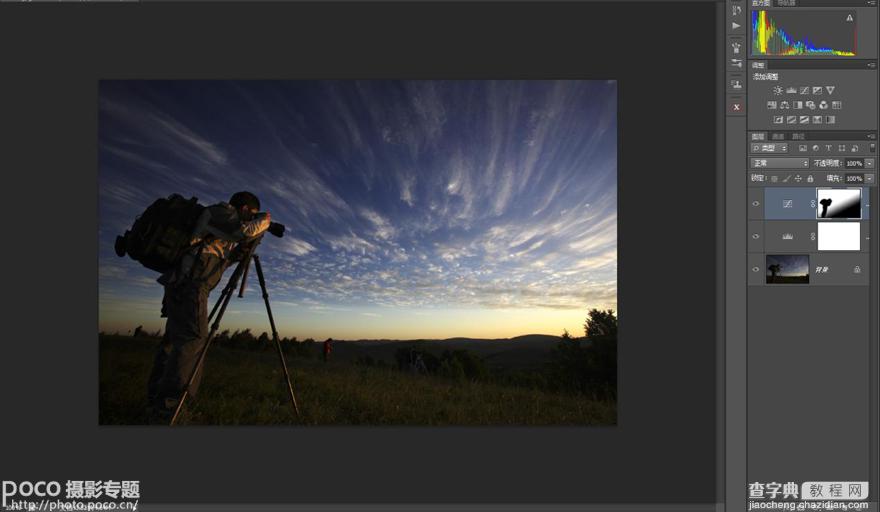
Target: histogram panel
780,32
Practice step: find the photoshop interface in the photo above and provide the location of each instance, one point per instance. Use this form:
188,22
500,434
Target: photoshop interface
567,255
801,79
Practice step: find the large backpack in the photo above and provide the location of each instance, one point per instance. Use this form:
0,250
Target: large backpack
162,233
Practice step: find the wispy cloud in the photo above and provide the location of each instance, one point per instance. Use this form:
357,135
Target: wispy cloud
297,247
382,228
160,129
199,146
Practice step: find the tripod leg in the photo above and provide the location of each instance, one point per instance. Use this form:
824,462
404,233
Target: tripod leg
230,286
275,333
243,281
224,299
226,289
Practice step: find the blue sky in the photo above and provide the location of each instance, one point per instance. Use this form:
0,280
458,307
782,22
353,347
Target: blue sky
415,209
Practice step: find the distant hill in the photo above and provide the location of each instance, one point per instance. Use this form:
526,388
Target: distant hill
520,351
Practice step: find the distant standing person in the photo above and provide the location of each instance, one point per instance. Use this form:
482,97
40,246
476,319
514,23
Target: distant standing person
328,347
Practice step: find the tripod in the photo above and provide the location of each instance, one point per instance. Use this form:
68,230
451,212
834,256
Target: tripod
240,272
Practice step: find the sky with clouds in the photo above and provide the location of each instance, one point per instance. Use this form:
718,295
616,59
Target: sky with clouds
415,209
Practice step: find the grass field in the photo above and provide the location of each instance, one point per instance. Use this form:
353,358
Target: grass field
246,388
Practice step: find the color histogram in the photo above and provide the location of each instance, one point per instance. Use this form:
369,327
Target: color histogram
831,33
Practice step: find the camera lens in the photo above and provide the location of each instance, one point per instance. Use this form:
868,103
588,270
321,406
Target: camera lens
277,229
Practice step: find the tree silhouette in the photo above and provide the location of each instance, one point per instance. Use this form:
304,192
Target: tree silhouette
262,342
600,323
589,367
774,269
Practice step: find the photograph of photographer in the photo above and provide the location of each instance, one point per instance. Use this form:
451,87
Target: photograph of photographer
439,252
